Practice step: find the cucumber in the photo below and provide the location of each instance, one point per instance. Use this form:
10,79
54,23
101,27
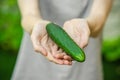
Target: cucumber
65,42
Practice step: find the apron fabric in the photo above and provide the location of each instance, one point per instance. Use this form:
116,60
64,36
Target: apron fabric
31,65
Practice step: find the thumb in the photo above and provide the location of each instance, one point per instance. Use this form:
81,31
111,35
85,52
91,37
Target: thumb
84,41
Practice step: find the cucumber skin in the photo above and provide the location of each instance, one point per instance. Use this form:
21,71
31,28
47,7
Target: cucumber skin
65,42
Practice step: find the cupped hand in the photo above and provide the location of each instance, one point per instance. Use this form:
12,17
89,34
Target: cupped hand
78,30
44,45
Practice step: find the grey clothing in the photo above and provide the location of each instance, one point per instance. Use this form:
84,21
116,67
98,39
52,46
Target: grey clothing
33,66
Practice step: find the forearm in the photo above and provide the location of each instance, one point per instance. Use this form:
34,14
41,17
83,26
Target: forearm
98,15
30,13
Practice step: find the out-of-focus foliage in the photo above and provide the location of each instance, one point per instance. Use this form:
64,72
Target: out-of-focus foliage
10,36
10,29
111,49
111,37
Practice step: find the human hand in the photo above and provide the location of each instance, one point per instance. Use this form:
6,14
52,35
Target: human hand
44,45
78,30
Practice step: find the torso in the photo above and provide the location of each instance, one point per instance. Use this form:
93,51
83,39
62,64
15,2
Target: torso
32,66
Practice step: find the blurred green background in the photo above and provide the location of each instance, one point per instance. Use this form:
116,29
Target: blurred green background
11,35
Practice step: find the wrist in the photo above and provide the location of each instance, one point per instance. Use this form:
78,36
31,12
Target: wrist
95,24
91,24
28,23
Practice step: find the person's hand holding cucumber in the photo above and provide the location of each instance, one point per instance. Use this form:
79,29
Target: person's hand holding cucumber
42,42
78,30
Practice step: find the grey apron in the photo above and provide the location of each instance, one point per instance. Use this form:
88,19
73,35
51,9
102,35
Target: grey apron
33,66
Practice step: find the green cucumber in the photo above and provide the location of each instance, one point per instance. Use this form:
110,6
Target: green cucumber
65,42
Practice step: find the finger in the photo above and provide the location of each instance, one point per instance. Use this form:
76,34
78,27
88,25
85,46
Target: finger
52,59
49,48
52,46
37,46
66,62
41,50
55,47
77,40
55,52
85,36
45,44
66,57
67,25
60,50
84,40
59,56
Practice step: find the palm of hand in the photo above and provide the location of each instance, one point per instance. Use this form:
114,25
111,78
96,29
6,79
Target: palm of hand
78,30
44,45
